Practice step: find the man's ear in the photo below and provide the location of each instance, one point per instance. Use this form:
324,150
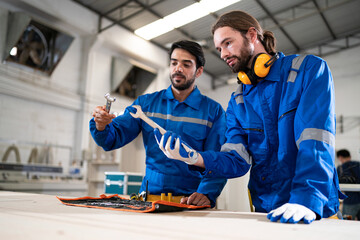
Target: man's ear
251,34
199,71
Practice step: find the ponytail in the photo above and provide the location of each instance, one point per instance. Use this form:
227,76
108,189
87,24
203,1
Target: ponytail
269,42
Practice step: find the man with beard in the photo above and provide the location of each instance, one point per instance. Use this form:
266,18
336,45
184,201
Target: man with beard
280,122
180,108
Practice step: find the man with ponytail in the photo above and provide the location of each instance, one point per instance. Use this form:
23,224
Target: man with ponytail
280,124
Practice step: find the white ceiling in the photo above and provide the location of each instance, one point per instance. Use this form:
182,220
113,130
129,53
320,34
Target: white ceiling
320,27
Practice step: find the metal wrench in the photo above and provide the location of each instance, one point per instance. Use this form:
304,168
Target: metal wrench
109,100
140,114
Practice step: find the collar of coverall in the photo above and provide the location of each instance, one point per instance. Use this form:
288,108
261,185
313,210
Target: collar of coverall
193,100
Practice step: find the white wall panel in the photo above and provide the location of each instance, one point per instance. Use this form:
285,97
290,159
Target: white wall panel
346,73
29,124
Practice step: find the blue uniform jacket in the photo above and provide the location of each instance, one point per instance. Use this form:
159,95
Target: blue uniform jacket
284,128
200,122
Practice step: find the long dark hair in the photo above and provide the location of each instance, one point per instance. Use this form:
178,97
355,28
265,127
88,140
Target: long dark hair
241,21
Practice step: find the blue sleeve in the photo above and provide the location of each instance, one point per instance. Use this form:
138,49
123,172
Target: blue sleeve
314,128
212,187
122,130
234,159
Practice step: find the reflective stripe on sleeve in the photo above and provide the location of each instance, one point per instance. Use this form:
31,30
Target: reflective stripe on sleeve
239,99
318,135
295,66
239,95
239,148
180,119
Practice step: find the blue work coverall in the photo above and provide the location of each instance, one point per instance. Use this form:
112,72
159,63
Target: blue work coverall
284,128
200,122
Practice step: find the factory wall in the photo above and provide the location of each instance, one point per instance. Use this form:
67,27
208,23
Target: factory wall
346,73
41,111
54,109
53,112
38,110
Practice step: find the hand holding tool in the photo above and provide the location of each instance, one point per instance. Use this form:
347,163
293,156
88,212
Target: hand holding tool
109,100
184,152
173,147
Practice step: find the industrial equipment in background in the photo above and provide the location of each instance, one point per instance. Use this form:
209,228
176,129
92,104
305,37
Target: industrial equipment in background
40,174
34,45
122,183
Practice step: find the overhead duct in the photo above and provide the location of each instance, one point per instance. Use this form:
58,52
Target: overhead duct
32,44
130,79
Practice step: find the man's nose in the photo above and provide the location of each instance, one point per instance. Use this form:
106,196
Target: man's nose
179,68
224,54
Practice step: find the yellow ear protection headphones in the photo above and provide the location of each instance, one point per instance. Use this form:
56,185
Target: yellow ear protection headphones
260,68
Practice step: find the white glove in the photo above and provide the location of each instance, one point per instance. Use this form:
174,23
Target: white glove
173,147
292,213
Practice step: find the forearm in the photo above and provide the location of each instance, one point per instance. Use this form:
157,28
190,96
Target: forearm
223,164
313,179
211,187
200,162
102,118
101,137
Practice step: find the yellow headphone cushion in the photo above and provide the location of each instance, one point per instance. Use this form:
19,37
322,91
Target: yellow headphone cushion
243,77
259,67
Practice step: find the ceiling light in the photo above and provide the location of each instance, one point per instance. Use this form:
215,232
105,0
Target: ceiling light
154,29
13,51
182,17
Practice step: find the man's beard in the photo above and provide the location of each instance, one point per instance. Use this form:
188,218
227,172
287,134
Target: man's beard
183,86
243,59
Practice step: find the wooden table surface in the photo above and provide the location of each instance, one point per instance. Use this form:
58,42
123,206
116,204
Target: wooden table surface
38,216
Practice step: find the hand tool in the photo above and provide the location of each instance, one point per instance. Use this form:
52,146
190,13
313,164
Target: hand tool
140,114
109,100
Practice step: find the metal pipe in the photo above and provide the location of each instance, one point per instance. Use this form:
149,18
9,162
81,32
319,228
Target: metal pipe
33,155
8,151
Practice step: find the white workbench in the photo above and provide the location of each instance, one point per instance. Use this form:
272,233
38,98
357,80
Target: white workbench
38,216
349,187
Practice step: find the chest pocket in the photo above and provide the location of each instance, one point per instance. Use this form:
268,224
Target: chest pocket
256,139
252,124
286,137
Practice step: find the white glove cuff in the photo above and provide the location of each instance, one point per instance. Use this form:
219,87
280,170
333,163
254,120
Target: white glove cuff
192,159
